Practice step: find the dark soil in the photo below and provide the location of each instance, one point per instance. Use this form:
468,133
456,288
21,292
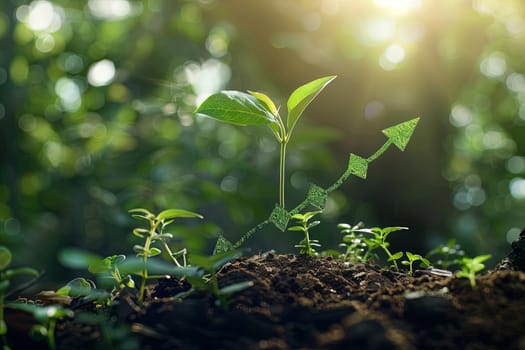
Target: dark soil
299,302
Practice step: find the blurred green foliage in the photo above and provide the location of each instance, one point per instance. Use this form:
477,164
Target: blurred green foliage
96,101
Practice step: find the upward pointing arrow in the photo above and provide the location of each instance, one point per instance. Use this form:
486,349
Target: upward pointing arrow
400,134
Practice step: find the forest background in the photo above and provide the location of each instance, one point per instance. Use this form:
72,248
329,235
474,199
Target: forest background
96,118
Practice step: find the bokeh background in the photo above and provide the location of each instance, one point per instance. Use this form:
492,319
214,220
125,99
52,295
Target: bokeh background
96,101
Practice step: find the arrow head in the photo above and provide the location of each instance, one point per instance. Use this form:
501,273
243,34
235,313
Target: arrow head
400,134
222,245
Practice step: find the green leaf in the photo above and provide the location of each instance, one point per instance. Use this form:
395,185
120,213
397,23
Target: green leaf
395,256
236,108
139,232
20,271
114,260
77,287
176,213
139,249
236,287
301,98
313,224
146,213
154,251
266,101
296,228
77,258
5,257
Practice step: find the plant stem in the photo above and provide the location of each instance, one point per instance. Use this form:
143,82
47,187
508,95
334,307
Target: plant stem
170,253
282,172
389,256
307,241
51,334
147,245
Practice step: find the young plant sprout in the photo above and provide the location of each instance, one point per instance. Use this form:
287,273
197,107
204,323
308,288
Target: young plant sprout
412,258
47,317
155,232
307,245
256,108
109,266
5,282
446,256
470,267
377,241
354,242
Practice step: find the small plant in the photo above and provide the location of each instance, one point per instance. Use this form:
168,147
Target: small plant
470,267
412,258
307,245
47,317
201,275
447,255
354,242
155,232
109,266
5,282
256,108
379,241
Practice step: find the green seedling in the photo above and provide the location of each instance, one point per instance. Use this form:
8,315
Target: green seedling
257,109
379,241
85,290
446,256
470,267
306,244
201,275
353,242
6,275
47,317
155,232
412,258
109,267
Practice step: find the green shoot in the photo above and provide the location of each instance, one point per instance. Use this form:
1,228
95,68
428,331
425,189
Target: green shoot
202,277
256,108
109,267
412,258
354,243
379,241
470,267
5,282
307,245
155,232
47,317
447,255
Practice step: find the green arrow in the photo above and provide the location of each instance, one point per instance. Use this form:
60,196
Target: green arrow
399,135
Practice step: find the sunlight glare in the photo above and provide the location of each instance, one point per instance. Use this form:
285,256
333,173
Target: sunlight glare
398,7
517,188
114,9
101,73
40,16
494,65
393,55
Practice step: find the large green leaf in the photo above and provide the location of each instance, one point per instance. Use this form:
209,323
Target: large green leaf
301,98
236,108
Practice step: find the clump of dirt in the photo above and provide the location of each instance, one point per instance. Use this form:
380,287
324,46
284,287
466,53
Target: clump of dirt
300,302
